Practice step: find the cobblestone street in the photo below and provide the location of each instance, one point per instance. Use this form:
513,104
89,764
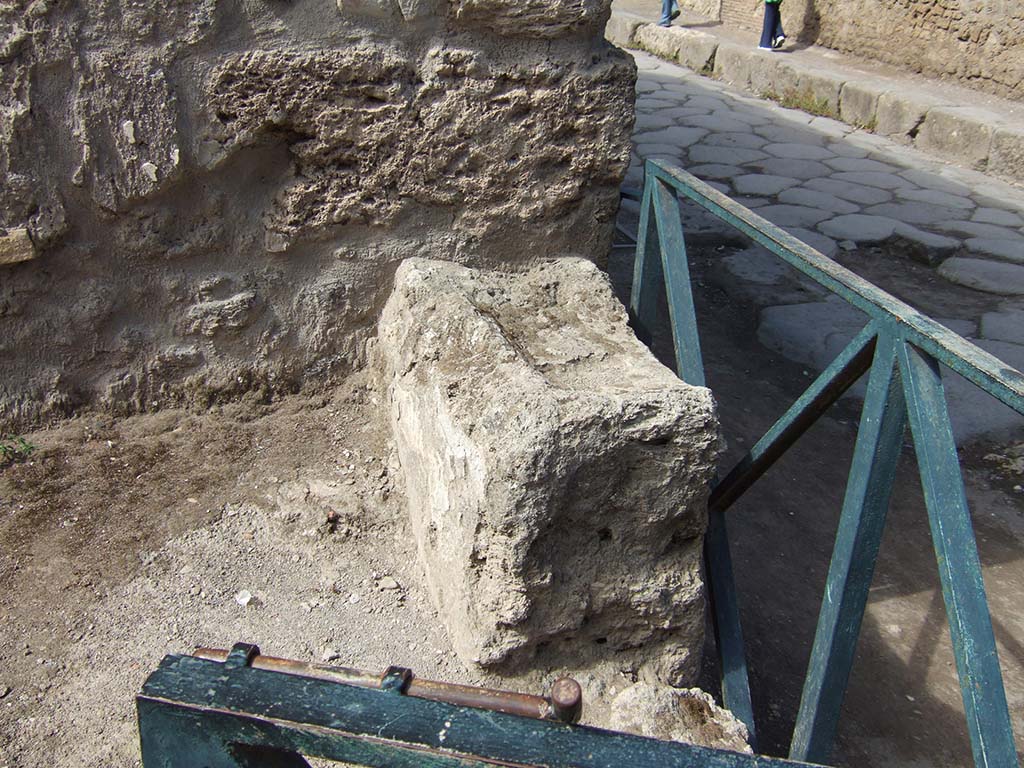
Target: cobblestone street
948,241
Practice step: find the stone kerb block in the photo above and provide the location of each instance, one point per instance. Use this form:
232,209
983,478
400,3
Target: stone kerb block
696,49
556,473
621,29
960,133
858,103
663,42
1007,153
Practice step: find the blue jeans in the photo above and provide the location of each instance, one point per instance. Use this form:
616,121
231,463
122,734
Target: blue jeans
772,27
667,8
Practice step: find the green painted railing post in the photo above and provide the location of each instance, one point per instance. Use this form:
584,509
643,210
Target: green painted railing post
970,626
869,486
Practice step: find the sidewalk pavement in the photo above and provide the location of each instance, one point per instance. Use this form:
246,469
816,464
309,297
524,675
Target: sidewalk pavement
974,130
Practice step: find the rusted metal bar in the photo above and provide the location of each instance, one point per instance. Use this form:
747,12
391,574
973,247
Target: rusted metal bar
564,705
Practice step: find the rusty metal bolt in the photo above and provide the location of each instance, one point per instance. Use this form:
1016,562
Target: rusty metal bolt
566,700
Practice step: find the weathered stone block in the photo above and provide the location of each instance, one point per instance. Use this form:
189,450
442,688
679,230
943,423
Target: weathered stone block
16,246
733,64
899,115
858,103
961,134
661,41
1006,156
556,473
621,29
696,49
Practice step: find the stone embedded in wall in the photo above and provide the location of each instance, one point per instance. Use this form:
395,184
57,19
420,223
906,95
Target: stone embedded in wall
532,18
300,150
16,246
556,473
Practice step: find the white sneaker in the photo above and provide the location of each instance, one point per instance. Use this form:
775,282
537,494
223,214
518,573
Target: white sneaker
778,42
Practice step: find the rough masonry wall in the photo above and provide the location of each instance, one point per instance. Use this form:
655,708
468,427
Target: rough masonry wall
979,43
200,199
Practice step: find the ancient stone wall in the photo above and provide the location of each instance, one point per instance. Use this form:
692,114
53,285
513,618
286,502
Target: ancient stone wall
979,43
203,198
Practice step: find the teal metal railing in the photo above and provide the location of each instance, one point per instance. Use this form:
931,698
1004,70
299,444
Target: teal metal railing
900,349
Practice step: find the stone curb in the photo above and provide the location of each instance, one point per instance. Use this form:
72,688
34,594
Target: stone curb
971,137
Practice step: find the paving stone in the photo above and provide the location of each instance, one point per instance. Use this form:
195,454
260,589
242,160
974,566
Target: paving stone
1006,155
645,149
1009,250
822,243
646,121
833,129
712,154
678,136
715,123
1004,325
998,217
981,274
859,227
858,102
846,149
936,197
682,114
986,231
915,213
817,199
859,164
732,139
963,134
752,202
715,171
762,184
653,105
725,189
933,181
935,246
794,215
812,333
707,102
757,276
790,134
873,179
797,169
855,193
748,116
799,151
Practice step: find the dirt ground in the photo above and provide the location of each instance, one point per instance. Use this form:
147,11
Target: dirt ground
124,540
282,524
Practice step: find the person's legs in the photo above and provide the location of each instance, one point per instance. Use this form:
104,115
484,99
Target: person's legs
771,20
669,11
778,36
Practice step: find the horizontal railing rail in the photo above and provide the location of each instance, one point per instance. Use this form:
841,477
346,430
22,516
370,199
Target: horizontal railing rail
900,349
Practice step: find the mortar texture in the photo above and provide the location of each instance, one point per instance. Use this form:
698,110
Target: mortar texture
204,200
556,473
